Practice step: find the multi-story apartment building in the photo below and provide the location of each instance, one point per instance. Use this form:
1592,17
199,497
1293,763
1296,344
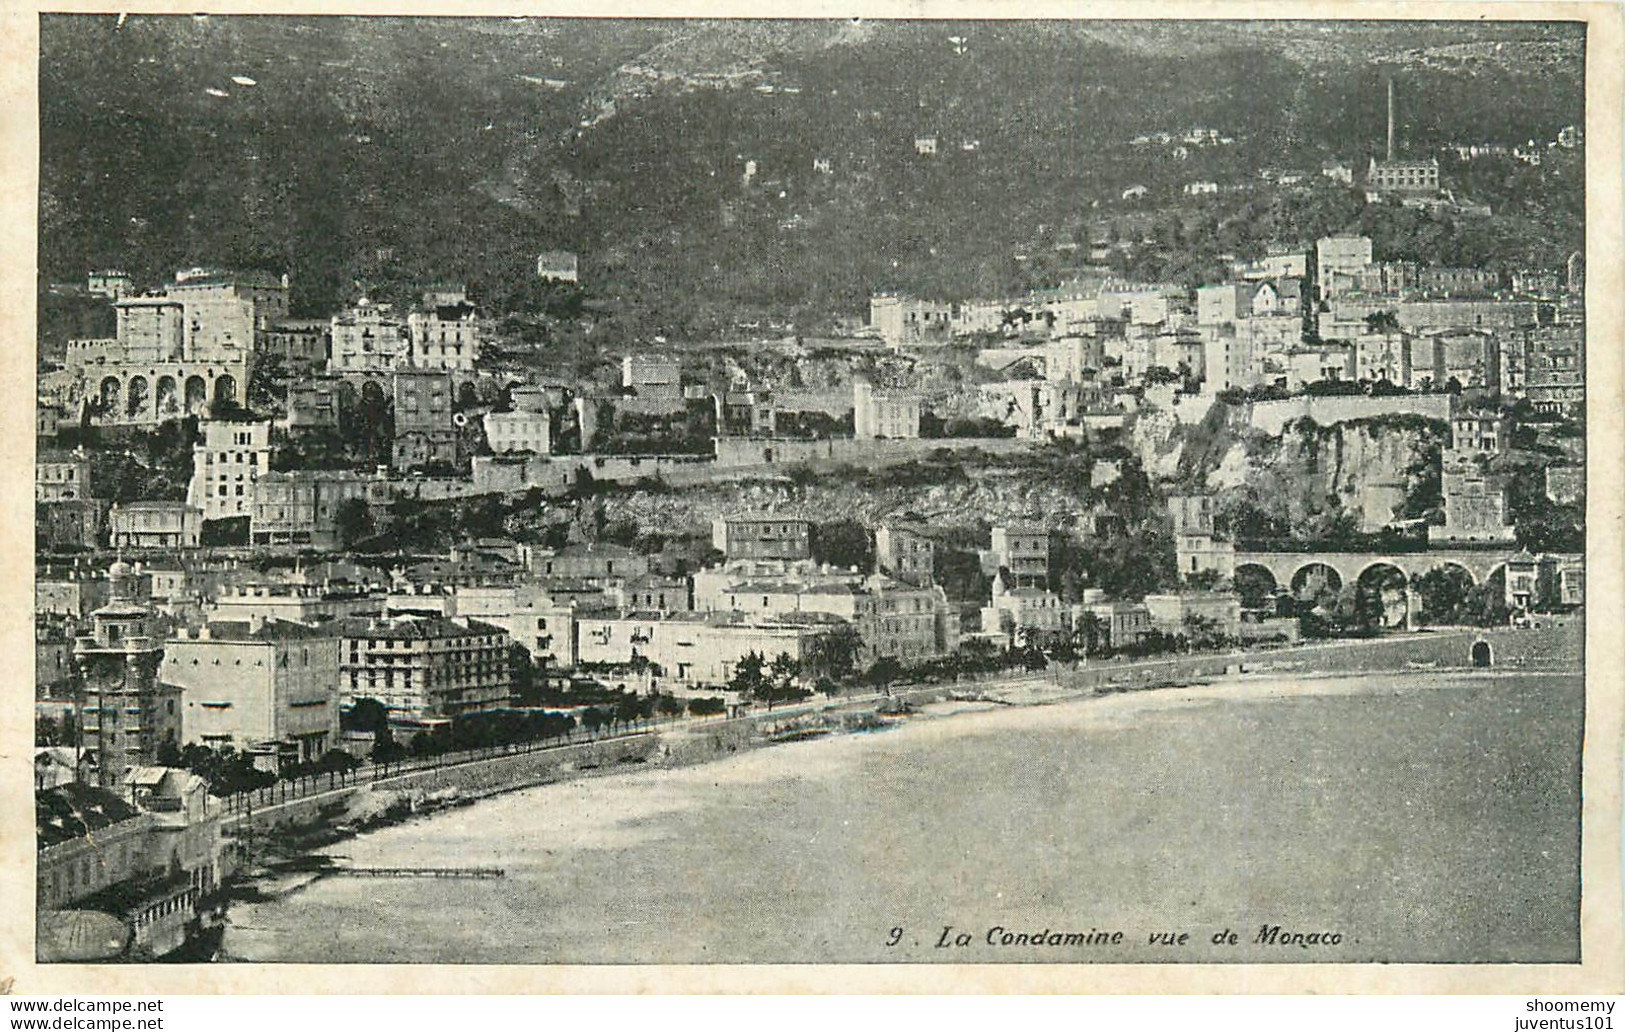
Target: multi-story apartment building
109,283
544,628
222,313
905,553
225,465
1221,303
884,413
762,536
76,524
1480,430
1022,549
445,337
426,668
1229,359
303,345
1343,254
302,507
1382,356
155,524
593,561
907,320
1024,616
369,338
519,432
651,384
1546,364
127,714
892,619
310,604
265,688
61,476
424,432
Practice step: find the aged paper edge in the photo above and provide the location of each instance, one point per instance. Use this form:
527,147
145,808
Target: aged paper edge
1602,967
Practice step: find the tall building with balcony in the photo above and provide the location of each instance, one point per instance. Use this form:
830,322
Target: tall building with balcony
126,714
369,338
905,553
1022,550
425,668
445,337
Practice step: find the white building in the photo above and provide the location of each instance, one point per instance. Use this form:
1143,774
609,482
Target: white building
559,266
445,337
369,338
519,432
884,413
225,466
1347,255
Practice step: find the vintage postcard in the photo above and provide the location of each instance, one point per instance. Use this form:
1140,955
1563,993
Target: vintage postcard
724,500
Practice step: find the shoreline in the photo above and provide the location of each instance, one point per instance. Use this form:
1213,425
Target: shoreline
299,850
574,818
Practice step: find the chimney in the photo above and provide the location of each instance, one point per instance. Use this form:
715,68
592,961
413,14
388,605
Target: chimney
1390,118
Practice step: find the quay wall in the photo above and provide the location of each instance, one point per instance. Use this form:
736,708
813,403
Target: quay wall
1555,646
470,780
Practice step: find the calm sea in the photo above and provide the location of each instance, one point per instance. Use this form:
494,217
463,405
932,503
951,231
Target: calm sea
1425,818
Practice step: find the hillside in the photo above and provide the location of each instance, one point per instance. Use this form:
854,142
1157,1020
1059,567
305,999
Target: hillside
678,156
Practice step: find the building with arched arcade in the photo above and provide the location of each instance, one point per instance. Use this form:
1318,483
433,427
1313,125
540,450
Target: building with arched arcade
148,393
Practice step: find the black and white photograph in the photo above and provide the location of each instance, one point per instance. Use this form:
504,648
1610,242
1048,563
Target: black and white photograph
539,490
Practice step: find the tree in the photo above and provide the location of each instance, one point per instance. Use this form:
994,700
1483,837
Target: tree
1091,634
749,676
523,674
844,543
781,677
593,718
352,520
1202,632
709,706
1444,594
365,714
884,671
1386,321
834,654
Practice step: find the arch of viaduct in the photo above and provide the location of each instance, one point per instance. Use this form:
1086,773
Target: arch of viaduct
152,393
379,386
1286,567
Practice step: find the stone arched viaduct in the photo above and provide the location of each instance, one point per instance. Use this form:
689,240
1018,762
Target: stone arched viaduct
1350,567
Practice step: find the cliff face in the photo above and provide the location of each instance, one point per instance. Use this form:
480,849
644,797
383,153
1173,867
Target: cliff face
1366,467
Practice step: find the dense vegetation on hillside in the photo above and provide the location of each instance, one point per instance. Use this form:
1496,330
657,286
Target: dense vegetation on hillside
376,154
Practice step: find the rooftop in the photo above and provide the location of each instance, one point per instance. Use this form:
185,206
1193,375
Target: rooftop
74,810
414,628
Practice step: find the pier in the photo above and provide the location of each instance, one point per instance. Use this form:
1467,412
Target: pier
420,872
